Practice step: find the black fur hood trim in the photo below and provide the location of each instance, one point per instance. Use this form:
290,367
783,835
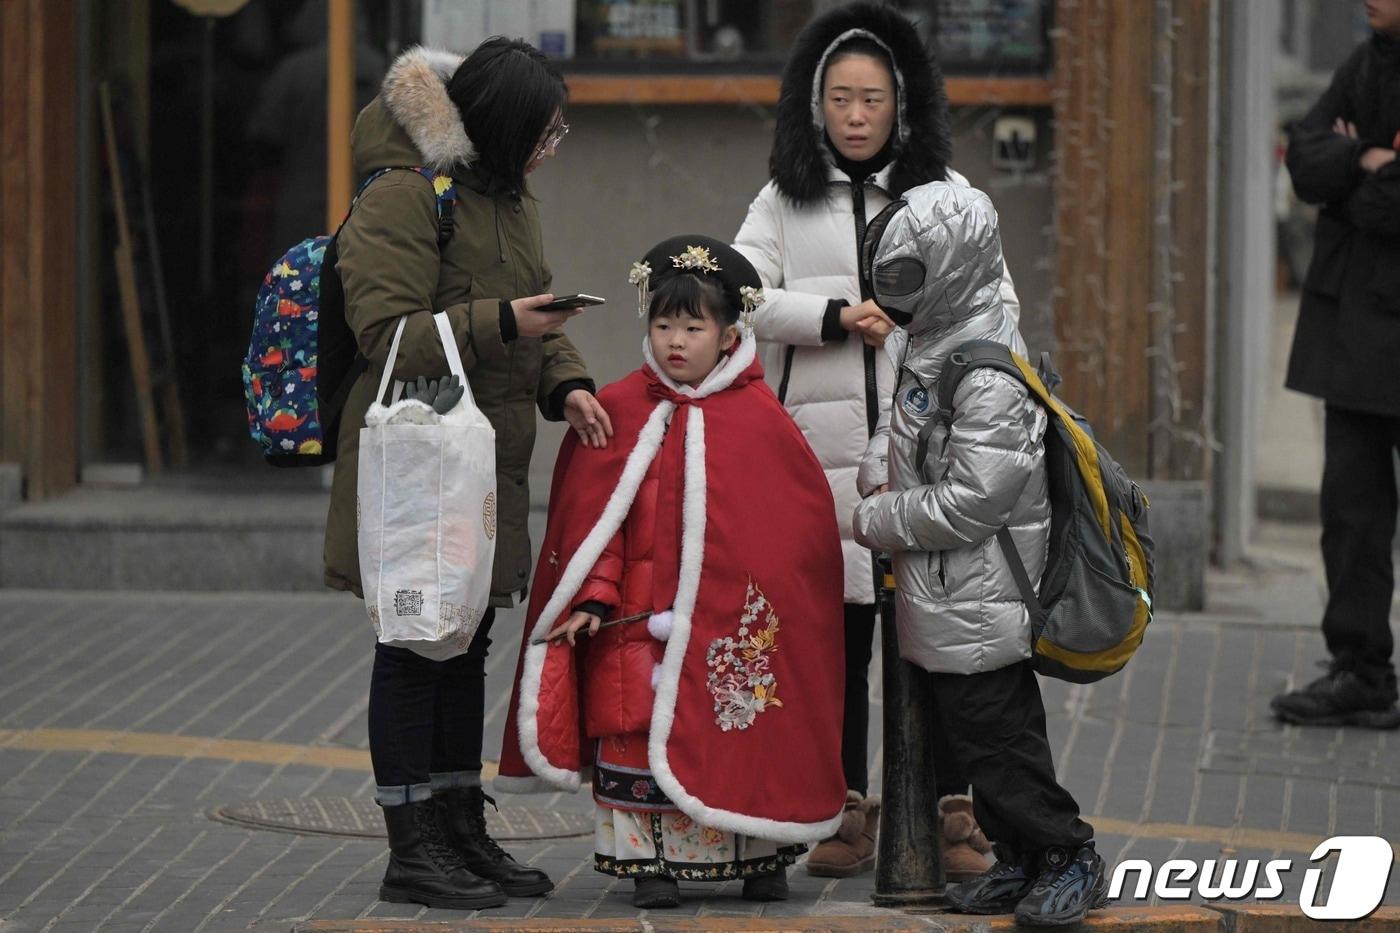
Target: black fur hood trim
800,162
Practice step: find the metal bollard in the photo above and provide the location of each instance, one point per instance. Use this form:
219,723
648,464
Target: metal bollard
909,869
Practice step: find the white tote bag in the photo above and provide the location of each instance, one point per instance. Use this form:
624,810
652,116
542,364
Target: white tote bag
426,514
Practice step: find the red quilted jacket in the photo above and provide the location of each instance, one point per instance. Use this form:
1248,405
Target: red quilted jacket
617,691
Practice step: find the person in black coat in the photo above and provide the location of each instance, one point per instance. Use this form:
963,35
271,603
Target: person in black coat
1346,351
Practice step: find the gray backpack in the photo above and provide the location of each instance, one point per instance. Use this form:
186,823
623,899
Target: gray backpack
1095,598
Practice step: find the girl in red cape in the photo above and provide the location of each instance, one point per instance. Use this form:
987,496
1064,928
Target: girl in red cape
700,554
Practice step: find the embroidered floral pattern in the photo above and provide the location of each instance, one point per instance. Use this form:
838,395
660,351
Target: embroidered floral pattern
680,848
628,789
740,679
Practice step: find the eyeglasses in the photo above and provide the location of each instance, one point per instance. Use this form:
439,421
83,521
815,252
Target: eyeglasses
552,141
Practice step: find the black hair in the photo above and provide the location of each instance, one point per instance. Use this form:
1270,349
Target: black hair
507,92
691,294
861,45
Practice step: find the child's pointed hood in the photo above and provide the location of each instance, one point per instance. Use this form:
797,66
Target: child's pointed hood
933,260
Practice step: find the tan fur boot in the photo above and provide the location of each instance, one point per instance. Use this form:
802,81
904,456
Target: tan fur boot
852,850
964,846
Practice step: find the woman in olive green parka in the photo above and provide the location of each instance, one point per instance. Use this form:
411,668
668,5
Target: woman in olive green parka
488,121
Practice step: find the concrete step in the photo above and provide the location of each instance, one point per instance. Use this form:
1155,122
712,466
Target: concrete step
212,534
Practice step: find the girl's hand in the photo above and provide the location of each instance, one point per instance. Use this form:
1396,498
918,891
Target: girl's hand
532,323
586,416
580,621
1344,128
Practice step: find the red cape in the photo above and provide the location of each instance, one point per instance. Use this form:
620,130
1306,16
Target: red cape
745,729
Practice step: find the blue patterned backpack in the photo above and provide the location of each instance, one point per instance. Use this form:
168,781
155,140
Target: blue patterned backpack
302,359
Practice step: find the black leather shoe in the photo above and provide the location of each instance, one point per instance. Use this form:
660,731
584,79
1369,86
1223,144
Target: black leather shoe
423,868
769,887
1341,697
656,893
996,891
462,812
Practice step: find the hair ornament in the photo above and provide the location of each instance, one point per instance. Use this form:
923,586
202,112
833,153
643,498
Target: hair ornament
695,257
640,276
753,298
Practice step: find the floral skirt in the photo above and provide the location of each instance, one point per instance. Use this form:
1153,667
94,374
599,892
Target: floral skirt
639,833
672,845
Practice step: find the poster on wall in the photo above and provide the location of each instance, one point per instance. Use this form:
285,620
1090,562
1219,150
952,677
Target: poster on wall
992,35
462,25
637,28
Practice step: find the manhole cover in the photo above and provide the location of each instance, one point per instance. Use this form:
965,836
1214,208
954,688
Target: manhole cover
356,816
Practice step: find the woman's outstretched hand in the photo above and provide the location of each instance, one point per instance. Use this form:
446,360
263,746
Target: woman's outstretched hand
869,321
587,416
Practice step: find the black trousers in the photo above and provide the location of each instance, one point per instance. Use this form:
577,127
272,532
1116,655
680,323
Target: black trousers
855,729
425,717
1358,528
996,725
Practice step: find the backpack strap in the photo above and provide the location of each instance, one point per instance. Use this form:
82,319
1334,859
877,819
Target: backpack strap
446,194
967,357
444,191
1019,574
974,354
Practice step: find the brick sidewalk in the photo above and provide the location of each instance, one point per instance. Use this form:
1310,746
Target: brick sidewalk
125,719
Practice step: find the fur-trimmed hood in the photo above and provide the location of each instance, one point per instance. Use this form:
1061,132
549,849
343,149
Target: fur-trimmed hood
413,121
800,160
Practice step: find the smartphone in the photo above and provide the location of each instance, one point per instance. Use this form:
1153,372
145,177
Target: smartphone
572,302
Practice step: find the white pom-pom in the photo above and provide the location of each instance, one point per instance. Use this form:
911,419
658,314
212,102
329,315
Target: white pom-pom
659,625
655,675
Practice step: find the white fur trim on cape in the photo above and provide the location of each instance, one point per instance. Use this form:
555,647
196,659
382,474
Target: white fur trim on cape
719,379
415,91
531,784
663,711
570,582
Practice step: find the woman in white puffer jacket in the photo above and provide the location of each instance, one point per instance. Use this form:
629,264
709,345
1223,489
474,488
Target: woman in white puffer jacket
862,117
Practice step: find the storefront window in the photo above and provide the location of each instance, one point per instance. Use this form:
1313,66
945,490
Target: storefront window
981,37
220,123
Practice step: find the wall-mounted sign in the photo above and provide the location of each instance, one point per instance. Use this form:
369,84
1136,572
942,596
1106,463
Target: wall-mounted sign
1013,143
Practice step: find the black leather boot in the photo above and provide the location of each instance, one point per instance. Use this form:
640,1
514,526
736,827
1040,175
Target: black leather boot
462,811
424,869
